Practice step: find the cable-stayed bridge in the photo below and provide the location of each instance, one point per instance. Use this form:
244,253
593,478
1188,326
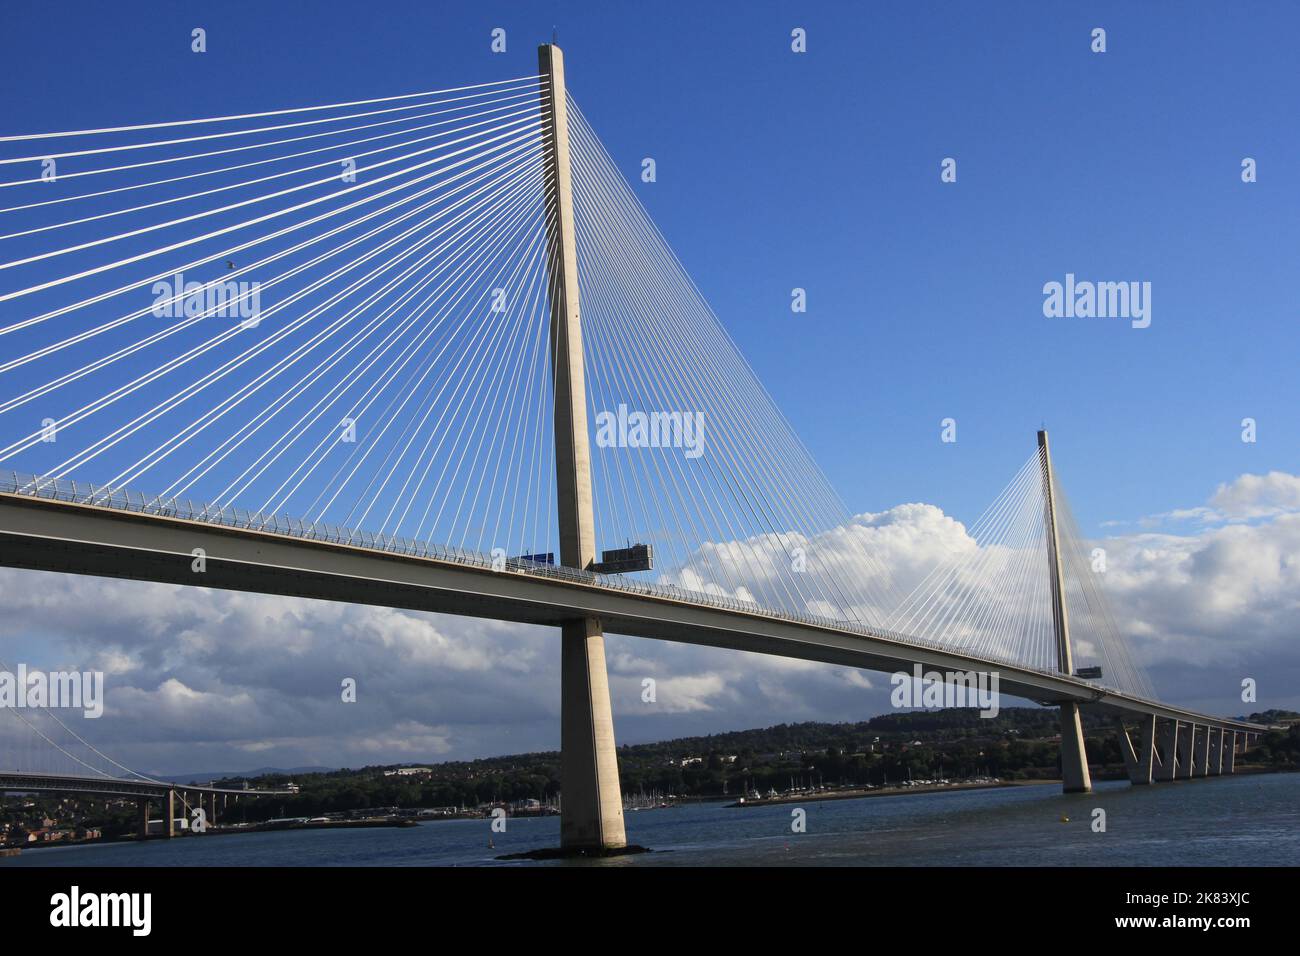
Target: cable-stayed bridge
430,352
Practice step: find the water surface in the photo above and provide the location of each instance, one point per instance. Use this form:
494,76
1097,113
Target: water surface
1226,821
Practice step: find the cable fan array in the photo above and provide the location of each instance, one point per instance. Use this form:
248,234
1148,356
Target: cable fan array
339,314
352,332
992,597
727,494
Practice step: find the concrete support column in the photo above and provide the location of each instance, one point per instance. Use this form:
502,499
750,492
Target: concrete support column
169,829
212,809
591,815
1216,751
142,827
1168,751
1075,777
1203,755
1147,752
1186,750
1232,753
1139,761
1126,750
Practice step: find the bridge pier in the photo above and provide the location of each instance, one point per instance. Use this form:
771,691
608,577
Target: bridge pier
1216,751
1186,751
169,824
1168,751
142,806
1203,755
1139,763
1075,777
591,814
1232,753
212,809
591,811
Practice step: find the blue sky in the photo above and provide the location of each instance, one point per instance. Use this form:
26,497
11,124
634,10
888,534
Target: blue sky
779,170
821,170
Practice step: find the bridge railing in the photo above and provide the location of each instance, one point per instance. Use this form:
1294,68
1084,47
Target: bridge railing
125,499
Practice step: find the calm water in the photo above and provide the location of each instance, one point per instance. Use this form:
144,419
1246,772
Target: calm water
1247,820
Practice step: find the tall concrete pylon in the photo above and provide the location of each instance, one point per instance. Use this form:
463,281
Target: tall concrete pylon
1074,759
591,807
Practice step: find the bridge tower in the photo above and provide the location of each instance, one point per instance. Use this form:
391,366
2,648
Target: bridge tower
591,802
1074,759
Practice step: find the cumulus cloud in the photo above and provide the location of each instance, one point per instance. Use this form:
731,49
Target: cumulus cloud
1258,496
1212,598
873,560
1245,498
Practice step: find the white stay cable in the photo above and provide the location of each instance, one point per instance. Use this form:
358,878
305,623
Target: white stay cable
229,119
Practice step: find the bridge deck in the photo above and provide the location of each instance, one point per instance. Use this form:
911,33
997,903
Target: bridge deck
25,782
153,542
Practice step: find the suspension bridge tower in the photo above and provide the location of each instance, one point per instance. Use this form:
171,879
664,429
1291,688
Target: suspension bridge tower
1074,760
591,802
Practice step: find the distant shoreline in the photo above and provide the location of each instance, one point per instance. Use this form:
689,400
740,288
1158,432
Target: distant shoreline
217,830
883,792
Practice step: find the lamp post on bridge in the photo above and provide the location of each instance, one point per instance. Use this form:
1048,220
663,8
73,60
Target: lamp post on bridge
591,815
1074,758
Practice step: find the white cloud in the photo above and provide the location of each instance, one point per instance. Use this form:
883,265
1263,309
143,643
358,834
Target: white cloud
1245,498
1211,598
1257,496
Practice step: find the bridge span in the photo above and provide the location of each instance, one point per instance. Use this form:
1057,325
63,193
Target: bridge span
53,527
